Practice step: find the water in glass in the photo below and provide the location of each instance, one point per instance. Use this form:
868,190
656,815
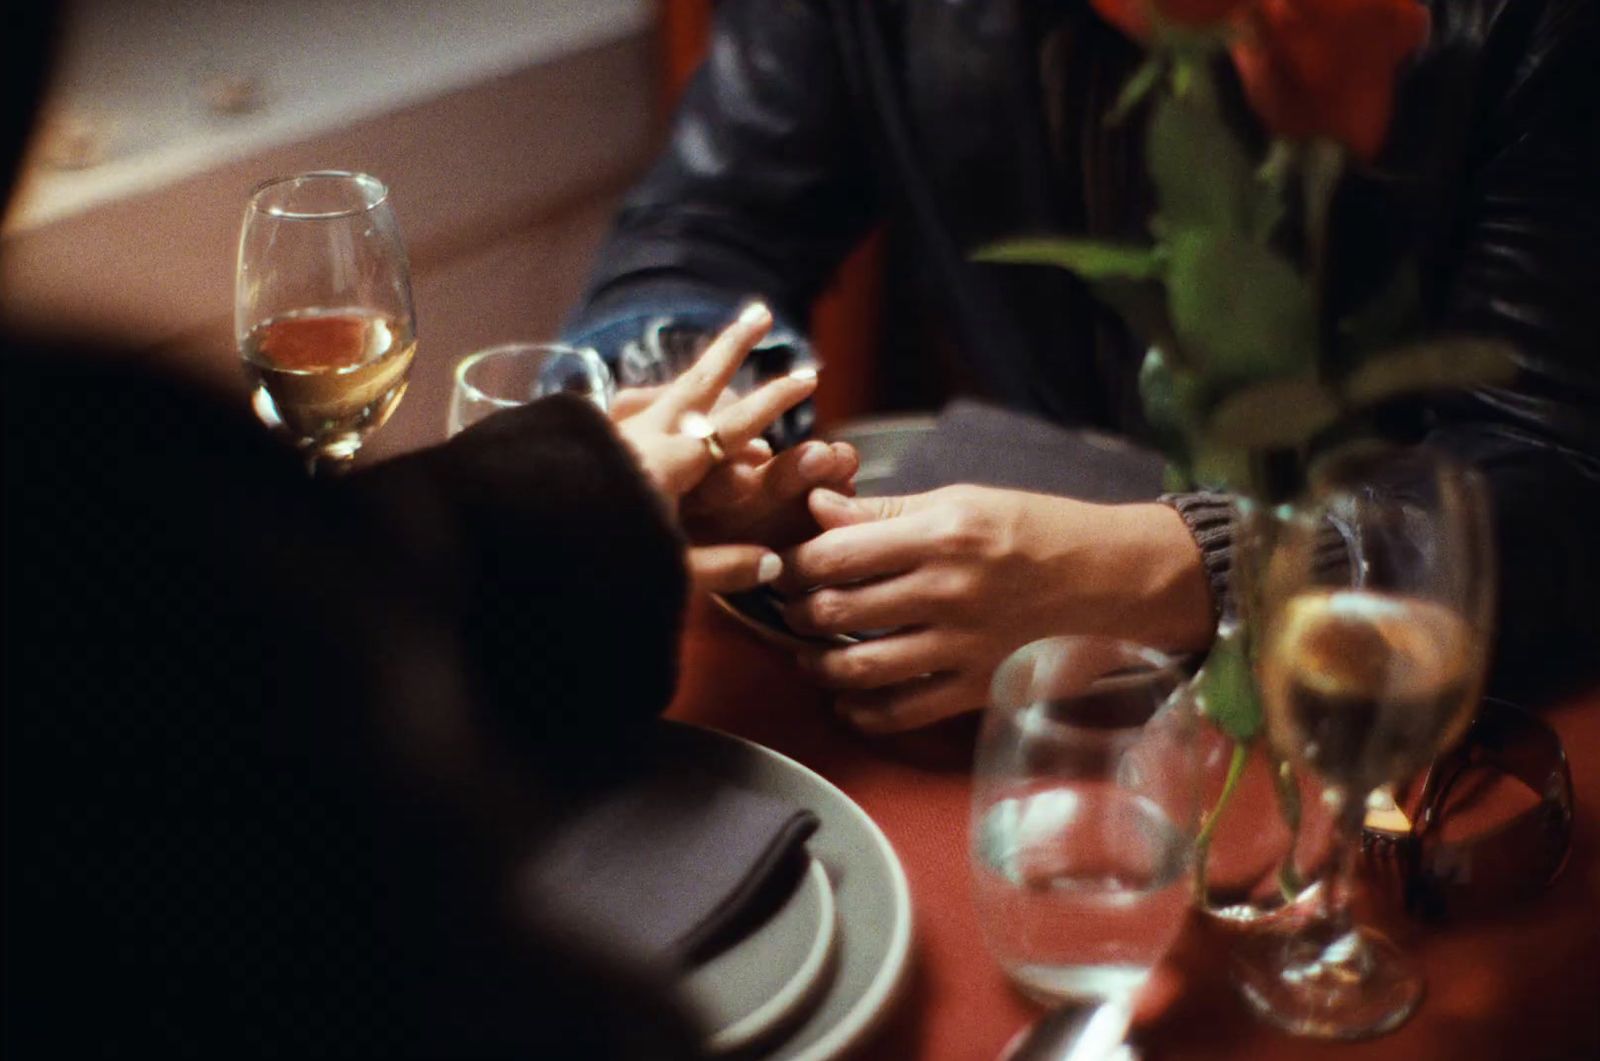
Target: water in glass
1083,819
1090,884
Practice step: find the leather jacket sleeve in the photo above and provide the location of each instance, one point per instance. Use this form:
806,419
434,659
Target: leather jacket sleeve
763,187
1525,267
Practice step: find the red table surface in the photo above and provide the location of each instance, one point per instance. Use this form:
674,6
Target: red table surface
1523,984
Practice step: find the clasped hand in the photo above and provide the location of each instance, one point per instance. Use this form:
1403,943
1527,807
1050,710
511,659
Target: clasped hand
957,578
962,576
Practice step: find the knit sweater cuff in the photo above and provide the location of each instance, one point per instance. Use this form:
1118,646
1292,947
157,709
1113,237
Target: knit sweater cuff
1209,517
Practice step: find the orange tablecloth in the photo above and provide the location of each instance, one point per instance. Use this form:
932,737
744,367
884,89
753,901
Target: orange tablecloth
1525,984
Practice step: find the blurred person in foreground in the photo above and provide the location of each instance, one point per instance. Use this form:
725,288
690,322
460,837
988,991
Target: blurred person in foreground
275,747
964,123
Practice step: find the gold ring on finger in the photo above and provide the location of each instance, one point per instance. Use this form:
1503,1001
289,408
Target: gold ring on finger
698,425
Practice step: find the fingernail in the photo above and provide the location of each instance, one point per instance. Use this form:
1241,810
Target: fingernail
755,313
761,445
803,374
830,497
816,460
769,569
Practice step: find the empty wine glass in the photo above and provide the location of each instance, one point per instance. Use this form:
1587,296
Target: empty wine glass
1368,667
322,311
504,377
1084,810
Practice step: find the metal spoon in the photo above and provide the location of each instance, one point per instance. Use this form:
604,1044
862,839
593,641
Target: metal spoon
1080,1030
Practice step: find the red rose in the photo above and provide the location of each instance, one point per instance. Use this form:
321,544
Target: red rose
1327,67
1133,16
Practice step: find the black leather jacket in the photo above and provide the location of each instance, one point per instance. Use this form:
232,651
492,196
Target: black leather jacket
962,121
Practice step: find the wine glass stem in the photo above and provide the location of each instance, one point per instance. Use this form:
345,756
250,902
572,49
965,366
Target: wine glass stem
1328,978
321,465
1337,896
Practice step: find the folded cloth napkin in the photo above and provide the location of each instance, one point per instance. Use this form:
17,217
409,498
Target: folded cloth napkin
672,865
990,446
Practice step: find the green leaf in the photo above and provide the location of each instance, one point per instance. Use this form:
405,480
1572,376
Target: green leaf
1271,201
1242,307
1125,278
1277,414
1202,178
1144,79
1225,690
1437,365
1090,259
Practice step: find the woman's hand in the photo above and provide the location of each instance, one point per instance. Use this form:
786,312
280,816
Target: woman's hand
762,502
740,507
965,575
667,426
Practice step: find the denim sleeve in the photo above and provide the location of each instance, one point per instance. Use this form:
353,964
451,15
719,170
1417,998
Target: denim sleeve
654,335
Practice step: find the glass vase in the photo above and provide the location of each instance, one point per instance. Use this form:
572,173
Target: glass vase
1266,833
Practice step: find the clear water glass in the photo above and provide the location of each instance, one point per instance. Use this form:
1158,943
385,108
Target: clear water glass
504,377
1085,803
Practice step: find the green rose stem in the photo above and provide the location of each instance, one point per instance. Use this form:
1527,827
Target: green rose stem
1202,842
1290,883
1226,687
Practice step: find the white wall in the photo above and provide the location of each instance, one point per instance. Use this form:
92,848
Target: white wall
505,131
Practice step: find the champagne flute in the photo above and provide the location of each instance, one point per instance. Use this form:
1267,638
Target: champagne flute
1368,668
322,311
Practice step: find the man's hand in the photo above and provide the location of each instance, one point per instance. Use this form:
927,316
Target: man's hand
966,574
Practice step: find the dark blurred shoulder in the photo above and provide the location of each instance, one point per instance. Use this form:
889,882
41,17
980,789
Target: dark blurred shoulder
82,394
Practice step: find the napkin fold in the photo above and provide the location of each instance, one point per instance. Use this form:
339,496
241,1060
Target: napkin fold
991,446
673,865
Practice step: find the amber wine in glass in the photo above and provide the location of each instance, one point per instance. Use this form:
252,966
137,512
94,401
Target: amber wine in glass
1368,668
1367,686
323,311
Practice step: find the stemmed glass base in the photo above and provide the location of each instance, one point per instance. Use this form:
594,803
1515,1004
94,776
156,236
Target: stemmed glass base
332,458
1329,981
